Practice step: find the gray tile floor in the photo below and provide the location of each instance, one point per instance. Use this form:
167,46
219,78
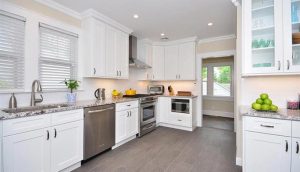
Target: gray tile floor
170,150
218,122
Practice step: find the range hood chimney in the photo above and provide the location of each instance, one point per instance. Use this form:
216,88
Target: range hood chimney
133,60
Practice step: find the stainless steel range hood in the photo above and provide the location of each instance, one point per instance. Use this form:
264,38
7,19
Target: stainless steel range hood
133,60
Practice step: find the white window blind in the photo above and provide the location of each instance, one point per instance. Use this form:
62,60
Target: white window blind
58,57
12,33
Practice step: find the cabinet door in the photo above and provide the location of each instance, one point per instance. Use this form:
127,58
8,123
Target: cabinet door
121,132
262,32
66,145
158,71
122,55
171,62
265,153
295,154
111,49
291,23
187,61
98,49
132,122
27,152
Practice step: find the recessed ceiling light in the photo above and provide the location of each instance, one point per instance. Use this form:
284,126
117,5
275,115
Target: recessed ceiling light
210,24
135,16
162,34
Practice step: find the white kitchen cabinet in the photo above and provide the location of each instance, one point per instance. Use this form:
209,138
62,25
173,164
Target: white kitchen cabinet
171,62
66,145
187,61
295,155
265,153
178,120
126,122
144,51
43,145
267,32
106,50
158,63
27,152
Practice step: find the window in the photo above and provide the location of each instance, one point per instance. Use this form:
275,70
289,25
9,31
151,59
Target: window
58,57
12,34
222,81
204,80
217,79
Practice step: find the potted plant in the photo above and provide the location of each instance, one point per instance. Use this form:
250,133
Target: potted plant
72,85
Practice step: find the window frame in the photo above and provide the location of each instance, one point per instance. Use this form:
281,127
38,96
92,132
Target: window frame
22,19
210,81
76,60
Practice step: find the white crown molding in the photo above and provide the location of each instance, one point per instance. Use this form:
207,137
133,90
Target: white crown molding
179,41
107,20
61,8
219,38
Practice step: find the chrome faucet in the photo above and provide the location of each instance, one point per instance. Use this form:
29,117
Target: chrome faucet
36,88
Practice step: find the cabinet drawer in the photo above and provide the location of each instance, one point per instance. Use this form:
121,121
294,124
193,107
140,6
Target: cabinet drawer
268,126
296,129
66,116
181,120
21,125
127,105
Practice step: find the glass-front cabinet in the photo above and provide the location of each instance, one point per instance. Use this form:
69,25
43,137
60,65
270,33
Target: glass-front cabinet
291,24
262,36
271,35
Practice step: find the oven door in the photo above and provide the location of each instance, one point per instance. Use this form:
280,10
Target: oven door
148,113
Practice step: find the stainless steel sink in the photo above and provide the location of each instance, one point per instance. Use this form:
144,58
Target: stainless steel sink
34,108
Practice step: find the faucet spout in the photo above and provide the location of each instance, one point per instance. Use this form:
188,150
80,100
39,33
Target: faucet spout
36,88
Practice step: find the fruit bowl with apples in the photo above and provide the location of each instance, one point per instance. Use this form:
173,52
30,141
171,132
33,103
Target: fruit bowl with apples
264,103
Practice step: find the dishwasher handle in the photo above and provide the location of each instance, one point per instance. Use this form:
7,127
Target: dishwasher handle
101,110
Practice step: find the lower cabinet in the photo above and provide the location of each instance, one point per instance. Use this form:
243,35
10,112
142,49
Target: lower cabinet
126,123
52,148
267,153
27,152
270,145
295,154
66,145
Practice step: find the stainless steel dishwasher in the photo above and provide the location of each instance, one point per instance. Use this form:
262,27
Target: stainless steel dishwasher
99,129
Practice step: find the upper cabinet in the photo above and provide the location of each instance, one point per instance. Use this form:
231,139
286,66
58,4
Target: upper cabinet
106,50
169,60
270,30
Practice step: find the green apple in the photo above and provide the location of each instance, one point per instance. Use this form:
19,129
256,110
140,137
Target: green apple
268,101
259,101
264,96
256,106
265,107
273,108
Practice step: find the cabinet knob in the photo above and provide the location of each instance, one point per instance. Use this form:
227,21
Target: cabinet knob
48,135
55,133
286,146
279,65
95,71
288,64
297,148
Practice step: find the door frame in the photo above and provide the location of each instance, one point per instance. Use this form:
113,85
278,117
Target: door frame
199,58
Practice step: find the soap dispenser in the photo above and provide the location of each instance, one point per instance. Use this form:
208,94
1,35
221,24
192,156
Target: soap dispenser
13,101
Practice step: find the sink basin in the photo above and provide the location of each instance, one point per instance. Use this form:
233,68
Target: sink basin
34,108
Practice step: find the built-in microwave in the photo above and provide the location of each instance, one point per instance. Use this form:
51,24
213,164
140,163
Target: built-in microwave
156,89
180,105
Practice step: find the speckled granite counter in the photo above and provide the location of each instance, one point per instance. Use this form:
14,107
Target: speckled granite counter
65,107
193,96
283,114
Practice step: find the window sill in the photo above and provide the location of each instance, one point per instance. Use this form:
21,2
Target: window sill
21,91
219,98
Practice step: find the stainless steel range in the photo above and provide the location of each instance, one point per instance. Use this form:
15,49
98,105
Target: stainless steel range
147,115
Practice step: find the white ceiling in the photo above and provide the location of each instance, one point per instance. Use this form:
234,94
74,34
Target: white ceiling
176,18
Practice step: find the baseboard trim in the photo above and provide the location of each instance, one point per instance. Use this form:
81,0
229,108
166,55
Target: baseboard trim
177,127
218,113
124,141
238,161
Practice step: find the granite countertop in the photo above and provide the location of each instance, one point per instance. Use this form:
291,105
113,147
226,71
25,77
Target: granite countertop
64,107
283,114
175,96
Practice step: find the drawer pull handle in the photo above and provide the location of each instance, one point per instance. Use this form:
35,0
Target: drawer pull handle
297,148
55,133
267,126
179,119
128,105
286,146
48,135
